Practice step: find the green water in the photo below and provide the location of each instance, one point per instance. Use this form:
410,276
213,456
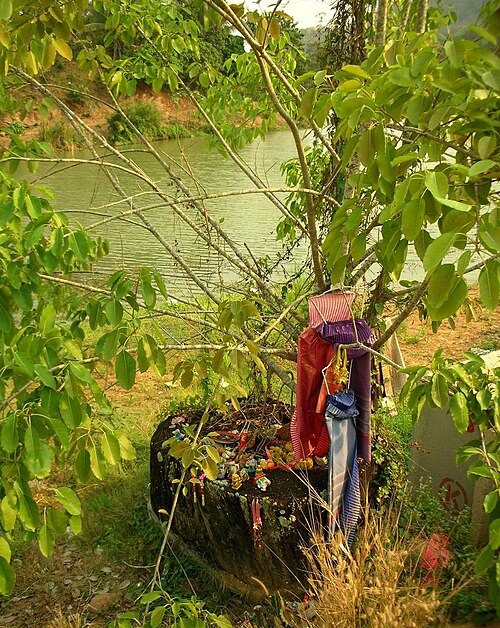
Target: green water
85,193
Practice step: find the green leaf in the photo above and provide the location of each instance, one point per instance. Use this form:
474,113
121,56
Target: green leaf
481,166
436,183
308,101
127,451
402,77
188,458
114,312
492,79
63,49
484,560
187,378
349,85
75,523
5,549
489,284
79,245
81,372
81,466
142,357
210,469
57,521
125,367
9,438
494,533
8,515
441,283
455,52
438,249
7,577
147,598
358,246
5,9
25,363
486,145
46,541
110,448
484,398
5,319
213,453
483,33
413,218
459,411
439,390
148,292
366,148
97,463
490,501
156,616
161,284
69,500
47,319
37,454
46,376
356,70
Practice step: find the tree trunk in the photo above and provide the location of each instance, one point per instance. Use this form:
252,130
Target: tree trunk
222,528
381,25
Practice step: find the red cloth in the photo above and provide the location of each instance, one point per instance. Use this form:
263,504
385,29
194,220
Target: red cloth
308,427
437,555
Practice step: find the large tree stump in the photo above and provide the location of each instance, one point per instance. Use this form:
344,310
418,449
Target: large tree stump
222,530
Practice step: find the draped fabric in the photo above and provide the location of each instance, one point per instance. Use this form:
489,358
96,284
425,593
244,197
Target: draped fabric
343,428
308,430
349,332
343,475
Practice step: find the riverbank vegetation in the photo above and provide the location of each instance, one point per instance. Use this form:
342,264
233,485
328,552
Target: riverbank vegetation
405,157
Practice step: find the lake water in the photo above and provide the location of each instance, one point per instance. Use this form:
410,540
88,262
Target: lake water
86,195
84,191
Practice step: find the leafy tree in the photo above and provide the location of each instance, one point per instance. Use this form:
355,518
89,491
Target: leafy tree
410,160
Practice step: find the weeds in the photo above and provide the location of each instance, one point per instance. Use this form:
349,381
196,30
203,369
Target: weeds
60,135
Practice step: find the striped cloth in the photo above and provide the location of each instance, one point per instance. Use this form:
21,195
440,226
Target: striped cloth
343,475
331,307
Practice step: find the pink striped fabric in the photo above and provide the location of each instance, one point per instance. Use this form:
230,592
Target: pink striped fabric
331,307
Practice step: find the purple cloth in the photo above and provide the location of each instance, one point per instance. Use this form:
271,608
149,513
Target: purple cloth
343,332
346,333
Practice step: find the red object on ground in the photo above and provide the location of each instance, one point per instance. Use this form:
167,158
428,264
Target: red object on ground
436,556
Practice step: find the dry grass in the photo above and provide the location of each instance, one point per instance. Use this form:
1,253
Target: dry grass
61,620
378,585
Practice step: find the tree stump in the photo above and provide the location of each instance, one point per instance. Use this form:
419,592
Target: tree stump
223,529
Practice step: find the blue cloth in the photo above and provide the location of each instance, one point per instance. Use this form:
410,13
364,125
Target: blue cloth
344,500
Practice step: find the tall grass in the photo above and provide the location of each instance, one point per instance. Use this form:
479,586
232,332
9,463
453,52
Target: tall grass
378,584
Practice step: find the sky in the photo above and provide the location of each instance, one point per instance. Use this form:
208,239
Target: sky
305,12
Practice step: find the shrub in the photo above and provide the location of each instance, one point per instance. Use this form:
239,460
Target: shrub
60,135
145,116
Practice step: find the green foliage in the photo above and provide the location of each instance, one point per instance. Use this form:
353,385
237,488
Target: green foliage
391,436
423,514
390,94
470,391
144,116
